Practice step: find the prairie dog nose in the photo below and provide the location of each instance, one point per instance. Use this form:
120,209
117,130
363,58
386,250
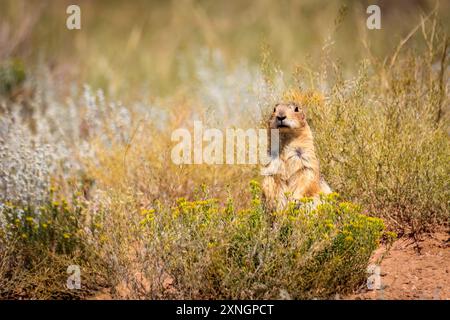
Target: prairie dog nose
281,118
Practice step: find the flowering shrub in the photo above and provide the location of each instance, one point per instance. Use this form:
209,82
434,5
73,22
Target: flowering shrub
38,243
211,250
52,225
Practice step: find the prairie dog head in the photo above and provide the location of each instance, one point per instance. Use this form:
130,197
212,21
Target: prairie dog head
287,116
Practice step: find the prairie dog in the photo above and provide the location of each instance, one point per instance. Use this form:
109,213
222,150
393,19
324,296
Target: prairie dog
294,172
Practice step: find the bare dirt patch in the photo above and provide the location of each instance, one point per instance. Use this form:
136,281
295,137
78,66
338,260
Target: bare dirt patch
413,270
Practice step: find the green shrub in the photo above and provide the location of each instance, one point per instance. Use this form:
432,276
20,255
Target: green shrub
39,243
52,225
213,251
12,75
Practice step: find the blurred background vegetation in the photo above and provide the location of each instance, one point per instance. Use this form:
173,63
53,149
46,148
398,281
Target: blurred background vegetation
152,45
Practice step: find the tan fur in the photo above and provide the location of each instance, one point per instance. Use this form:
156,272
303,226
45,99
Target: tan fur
294,173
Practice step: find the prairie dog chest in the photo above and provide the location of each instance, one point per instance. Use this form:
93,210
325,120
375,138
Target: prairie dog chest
295,159
291,160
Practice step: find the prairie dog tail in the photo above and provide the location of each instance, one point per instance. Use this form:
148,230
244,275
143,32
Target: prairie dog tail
324,187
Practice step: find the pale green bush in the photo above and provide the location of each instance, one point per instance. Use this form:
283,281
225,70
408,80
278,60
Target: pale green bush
212,250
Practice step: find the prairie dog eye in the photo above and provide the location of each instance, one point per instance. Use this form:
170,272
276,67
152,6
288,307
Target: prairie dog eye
275,108
296,109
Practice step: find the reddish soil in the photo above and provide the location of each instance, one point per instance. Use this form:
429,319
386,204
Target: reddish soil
413,270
